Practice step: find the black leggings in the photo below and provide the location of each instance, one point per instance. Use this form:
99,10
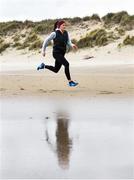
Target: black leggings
59,61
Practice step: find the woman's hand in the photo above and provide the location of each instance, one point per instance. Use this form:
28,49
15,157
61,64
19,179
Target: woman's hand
74,47
43,54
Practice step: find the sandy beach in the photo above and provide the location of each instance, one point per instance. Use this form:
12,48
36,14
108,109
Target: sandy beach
51,130
109,72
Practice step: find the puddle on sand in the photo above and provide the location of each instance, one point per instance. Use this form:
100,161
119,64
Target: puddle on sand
67,138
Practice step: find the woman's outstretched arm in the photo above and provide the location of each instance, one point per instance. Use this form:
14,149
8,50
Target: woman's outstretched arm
46,42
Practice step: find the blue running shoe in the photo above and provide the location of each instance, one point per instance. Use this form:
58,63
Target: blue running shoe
41,66
72,83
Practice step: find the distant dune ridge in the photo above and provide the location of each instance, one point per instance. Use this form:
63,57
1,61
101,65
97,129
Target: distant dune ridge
89,31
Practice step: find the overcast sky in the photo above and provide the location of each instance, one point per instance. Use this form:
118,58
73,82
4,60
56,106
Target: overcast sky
43,9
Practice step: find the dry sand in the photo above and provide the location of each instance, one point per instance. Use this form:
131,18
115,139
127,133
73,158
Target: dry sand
110,72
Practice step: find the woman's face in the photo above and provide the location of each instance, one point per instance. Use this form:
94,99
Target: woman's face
63,27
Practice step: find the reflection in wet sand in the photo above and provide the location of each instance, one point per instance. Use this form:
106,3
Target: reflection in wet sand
63,142
102,131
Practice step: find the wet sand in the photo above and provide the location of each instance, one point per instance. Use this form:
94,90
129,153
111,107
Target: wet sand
52,137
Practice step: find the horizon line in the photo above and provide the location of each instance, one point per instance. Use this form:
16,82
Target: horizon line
52,18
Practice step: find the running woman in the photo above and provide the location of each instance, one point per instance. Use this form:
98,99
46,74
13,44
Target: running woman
61,40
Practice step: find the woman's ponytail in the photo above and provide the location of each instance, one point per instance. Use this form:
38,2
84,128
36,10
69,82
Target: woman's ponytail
55,25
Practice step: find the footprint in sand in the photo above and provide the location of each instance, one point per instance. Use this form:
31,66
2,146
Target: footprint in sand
56,90
106,92
2,89
119,93
86,57
14,94
22,89
42,90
